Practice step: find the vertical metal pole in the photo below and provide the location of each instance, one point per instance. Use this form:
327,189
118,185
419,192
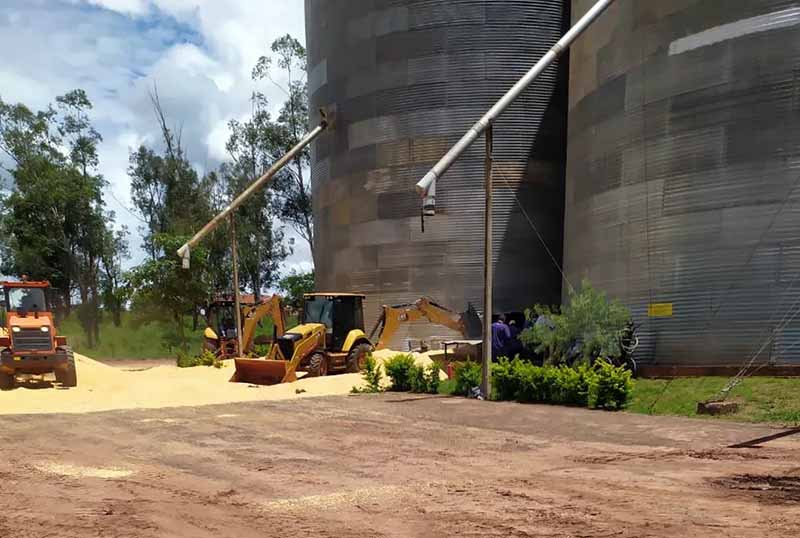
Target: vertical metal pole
488,280
236,299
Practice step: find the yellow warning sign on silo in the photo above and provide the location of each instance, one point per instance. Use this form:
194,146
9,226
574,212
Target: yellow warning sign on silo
659,310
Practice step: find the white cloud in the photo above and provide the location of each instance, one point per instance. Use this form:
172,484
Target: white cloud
136,7
216,140
199,53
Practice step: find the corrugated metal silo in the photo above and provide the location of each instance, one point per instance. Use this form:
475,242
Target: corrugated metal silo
407,78
683,163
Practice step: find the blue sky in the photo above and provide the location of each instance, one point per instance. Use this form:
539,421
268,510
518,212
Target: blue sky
198,52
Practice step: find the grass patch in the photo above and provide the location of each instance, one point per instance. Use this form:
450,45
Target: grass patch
132,341
764,399
447,387
127,341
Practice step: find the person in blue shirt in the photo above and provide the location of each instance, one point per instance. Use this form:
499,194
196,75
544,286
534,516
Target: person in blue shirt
501,336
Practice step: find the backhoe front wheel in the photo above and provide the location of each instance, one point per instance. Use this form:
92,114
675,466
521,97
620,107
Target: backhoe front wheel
66,374
6,381
357,358
317,365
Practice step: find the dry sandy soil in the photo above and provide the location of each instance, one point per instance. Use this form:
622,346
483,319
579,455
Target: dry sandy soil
390,465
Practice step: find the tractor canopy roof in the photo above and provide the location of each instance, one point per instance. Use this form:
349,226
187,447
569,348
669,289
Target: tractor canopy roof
244,299
25,284
334,294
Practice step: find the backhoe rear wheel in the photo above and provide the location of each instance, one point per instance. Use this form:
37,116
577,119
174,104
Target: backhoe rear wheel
317,365
6,381
357,358
67,375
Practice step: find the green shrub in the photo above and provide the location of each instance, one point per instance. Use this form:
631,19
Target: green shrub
588,317
372,375
399,370
610,387
505,379
468,376
603,386
424,379
185,360
207,358
432,375
572,385
416,379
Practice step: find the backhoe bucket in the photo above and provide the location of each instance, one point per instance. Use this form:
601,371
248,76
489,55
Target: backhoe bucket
262,372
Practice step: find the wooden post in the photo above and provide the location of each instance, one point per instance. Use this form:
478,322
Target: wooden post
237,301
488,277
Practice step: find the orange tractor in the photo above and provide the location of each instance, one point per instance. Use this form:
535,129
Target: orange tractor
29,343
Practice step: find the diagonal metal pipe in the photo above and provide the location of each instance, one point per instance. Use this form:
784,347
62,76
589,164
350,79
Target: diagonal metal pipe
184,251
424,185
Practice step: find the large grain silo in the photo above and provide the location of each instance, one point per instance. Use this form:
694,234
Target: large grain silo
683,163
406,79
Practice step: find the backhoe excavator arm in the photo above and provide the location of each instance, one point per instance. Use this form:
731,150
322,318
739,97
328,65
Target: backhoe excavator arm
393,316
251,315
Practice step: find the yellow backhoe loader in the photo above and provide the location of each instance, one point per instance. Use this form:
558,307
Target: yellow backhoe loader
467,323
220,336
331,338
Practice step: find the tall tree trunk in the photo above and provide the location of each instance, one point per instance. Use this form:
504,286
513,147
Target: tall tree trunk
117,313
96,313
181,337
255,280
68,299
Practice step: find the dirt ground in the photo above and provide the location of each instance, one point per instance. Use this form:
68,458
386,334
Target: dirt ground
390,465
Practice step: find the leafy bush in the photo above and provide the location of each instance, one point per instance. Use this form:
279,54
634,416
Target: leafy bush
207,358
572,385
610,387
603,386
372,375
424,379
185,360
399,370
588,318
416,379
468,376
432,375
505,379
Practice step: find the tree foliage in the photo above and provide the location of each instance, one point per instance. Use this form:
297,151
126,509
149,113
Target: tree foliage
172,200
251,146
54,225
166,190
295,285
291,188
589,319
161,290
115,288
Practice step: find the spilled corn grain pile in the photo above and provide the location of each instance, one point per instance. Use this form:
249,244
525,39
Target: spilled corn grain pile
102,388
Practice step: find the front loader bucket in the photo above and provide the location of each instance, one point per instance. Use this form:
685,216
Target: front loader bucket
262,372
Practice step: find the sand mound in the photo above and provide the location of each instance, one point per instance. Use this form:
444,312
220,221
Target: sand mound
102,387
